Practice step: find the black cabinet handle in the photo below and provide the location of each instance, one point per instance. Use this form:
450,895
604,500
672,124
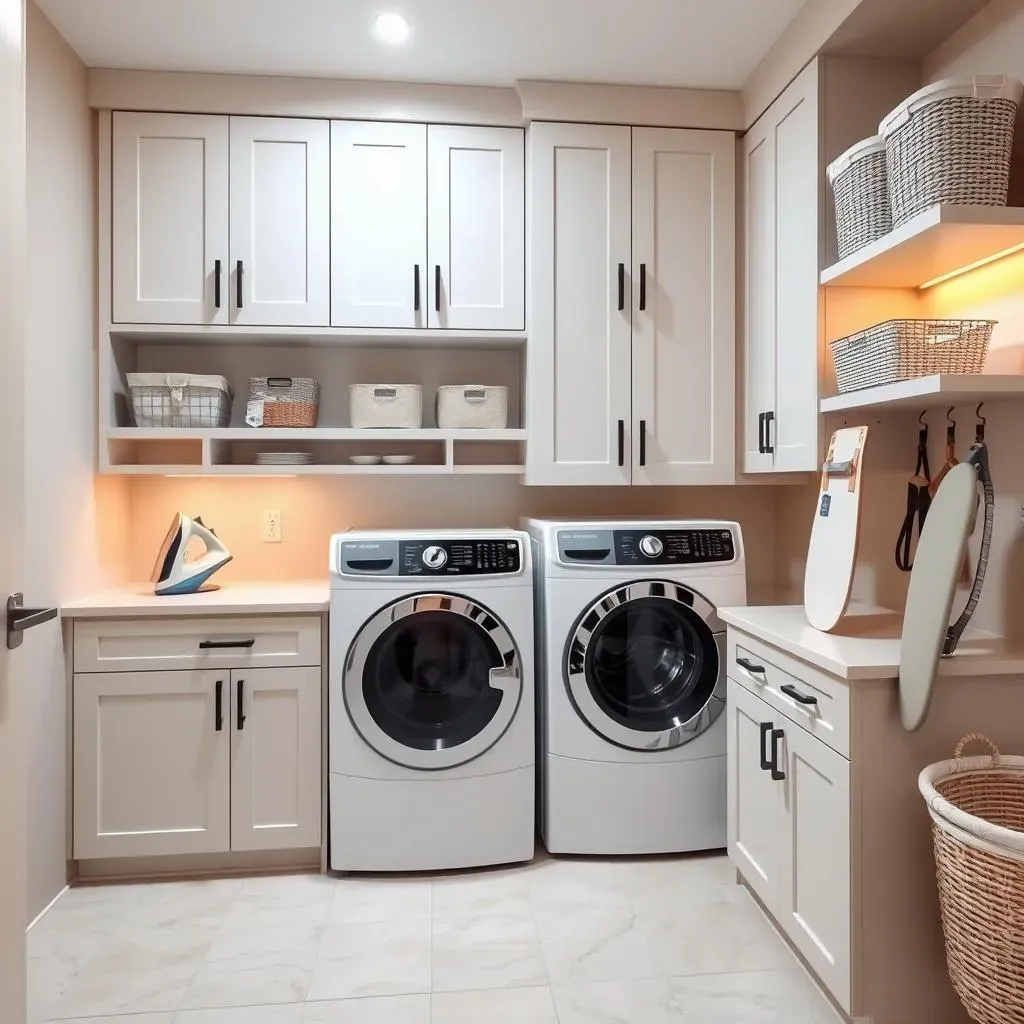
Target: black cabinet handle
416,288
750,666
437,288
643,442
643,286
768,447
766,728
760,433
777,774
219,645
20,618
801,698
622,442
238,284
216,284
240,704
622,286
219,723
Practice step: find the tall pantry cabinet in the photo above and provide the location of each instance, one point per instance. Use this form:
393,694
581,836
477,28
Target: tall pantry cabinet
632,336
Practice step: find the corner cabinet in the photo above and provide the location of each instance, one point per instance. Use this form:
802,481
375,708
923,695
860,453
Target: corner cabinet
630,373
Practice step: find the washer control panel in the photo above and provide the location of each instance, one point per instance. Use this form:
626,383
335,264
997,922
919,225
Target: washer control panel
459,557
647,545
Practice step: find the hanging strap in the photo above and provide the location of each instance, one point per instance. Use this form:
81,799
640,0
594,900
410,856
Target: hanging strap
978,458
919,500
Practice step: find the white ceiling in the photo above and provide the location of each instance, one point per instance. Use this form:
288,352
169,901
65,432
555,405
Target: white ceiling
696,43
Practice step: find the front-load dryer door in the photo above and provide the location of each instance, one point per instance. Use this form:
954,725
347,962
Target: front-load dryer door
432,681
644,665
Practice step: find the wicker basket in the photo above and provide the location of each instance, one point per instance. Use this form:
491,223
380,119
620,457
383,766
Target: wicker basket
904,349
861,191
283,401
386,405
977,810
950,143
180,400
472,407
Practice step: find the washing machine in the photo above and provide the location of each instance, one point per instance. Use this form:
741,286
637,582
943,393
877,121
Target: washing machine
432,737
632,682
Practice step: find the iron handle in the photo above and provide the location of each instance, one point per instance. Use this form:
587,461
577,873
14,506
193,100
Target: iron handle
622,442
238,284
769,449
20,618
219,712
643,286
216,283
766,728
801,698
622,286
750,666
416,288
437,288
643,442
219,645
777,775
239,704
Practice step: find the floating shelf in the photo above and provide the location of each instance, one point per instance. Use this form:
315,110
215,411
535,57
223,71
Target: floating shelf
938,243
926,392
307,434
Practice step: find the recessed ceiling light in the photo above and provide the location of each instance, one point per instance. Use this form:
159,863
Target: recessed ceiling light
391,28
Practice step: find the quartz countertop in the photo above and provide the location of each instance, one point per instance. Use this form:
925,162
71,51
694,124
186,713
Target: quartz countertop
137,600
867,643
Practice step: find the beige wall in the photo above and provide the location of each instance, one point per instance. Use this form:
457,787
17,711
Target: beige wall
75,524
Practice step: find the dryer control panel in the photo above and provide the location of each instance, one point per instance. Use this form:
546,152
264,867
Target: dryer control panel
646,546
431,558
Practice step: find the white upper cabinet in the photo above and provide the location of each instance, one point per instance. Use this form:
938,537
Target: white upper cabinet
378,224
476,225
684,256
280,264
579,355
169,218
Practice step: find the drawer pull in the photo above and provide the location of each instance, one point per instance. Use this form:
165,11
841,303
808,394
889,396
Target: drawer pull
801,698
219,722
777,775
221,645
766,728
241,704
750,666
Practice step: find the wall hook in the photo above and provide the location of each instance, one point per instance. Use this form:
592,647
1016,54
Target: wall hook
950,422
979,430
921,418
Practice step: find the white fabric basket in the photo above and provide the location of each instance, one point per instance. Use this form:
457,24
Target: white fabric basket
472,407
180,400
374,406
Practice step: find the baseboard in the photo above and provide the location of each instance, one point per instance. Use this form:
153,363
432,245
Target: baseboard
204,865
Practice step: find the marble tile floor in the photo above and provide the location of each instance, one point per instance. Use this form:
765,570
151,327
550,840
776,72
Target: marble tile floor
559,941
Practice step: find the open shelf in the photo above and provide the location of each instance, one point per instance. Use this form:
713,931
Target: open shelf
938,243
925,392
306,434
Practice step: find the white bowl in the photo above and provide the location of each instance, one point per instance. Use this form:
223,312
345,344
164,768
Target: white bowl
365,460
399,460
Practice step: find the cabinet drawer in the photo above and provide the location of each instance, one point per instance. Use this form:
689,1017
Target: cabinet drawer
770,673
134,645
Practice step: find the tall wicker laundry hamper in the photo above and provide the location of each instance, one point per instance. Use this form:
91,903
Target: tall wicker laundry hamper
977,809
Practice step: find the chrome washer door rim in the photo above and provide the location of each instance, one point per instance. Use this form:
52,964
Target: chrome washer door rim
579,689
506,678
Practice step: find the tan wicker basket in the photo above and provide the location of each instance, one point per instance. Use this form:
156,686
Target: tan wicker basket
977,810
286,401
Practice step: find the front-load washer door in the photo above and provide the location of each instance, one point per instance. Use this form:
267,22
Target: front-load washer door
644,665
432,681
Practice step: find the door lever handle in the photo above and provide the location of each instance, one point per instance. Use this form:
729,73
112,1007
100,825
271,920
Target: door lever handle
20,618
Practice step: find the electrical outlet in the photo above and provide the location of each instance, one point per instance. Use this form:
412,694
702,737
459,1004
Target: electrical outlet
272,526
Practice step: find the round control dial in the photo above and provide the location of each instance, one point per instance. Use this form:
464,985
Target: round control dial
435,557
651,546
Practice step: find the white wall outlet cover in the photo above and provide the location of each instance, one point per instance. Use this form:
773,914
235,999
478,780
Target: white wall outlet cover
272,526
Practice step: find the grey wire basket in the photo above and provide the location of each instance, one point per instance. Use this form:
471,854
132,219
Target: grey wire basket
861,190
180,400
905,349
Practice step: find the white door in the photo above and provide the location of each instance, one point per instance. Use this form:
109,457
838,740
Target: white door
754,798
759,294
275,758
12,568
814,907
280,263
579,357
799,217
684,315
170,219
378,224
151,763
476,228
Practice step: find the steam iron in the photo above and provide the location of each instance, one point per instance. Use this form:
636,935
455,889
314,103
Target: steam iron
176,572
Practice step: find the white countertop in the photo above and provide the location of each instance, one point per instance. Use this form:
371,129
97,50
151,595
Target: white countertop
867,643
138,600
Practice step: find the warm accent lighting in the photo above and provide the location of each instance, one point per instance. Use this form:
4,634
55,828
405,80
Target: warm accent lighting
960,271
391,28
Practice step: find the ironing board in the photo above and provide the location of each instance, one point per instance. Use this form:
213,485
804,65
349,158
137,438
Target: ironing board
832,555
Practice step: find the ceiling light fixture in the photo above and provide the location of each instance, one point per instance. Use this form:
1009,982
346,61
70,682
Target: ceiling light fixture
391,28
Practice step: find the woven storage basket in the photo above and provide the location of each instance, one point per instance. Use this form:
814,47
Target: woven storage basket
860,188
180,400
472,406
386,405
904,349
977,810
287,401
950,143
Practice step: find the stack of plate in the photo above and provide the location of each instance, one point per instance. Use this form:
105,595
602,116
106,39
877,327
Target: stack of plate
283,459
